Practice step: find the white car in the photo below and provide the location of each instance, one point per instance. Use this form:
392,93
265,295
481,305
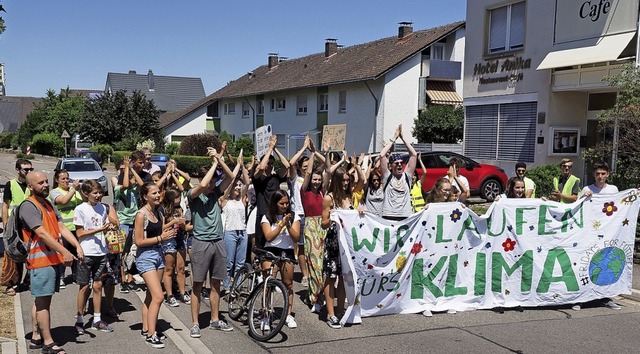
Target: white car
81,169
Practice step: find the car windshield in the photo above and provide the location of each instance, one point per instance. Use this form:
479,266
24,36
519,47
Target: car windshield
81,166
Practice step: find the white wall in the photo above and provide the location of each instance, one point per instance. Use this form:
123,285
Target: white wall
400,99
193,123
235,124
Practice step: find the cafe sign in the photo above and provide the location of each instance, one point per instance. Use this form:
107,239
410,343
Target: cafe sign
578,20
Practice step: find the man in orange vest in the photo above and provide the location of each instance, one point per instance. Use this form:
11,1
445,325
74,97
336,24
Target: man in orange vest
43,230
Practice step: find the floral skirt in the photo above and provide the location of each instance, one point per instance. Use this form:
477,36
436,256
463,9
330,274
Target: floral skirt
314,254
332,267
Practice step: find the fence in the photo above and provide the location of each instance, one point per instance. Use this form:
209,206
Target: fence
427,147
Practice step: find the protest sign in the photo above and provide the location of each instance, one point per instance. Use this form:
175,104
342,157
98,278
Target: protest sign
263,134
334,136
522,252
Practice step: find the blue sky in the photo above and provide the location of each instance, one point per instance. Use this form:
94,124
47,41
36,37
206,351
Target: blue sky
54,44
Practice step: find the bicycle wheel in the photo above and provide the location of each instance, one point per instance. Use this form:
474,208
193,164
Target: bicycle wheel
239,292
268,310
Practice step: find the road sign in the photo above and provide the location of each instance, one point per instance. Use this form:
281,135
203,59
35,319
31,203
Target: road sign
297,136
65,134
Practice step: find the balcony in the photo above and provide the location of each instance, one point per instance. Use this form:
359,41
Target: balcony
442,69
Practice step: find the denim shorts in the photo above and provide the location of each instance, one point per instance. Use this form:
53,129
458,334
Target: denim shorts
149,258
170,246
45,281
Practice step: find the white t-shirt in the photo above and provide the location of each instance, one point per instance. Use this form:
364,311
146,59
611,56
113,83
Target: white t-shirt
91,217
296,183
462,179
283,240
608,189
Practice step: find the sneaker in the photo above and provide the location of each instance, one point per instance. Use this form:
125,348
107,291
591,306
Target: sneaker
264,324
221,326
186,298
194,332
224,292
204,294
111,312
452,311
612,305
304,282
160,335
79,328
124,289
576,307
63,285
291,322
333,322
427,313
101,326
316,308
171,301
155,342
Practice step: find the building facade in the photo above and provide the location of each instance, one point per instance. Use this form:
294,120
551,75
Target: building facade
533,78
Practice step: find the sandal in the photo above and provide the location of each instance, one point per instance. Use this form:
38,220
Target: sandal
49,349
10,292
35,343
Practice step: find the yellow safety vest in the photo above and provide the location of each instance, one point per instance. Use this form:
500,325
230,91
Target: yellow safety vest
17,194
417,201
568,185
66,210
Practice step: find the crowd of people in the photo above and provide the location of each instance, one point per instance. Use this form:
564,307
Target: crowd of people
214,225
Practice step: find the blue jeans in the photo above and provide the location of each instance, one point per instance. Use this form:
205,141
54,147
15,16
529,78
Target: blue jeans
235,243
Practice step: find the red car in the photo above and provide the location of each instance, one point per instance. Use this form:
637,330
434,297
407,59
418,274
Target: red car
487,181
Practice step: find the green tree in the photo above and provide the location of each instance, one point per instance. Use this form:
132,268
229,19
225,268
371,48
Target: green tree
56,113
439,124
2,26
121,120
246,144
625,115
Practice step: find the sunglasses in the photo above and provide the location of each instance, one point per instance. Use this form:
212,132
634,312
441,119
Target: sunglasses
566,165
27,169
519,171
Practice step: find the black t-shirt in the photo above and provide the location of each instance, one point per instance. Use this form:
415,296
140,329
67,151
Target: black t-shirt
265,186
7,191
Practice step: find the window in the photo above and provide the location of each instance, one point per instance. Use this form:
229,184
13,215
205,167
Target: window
506,28
437,52
260,107
230,108
273,105
281,104
342,102
302,104
282,141
246,110
213,111
323,102
501,131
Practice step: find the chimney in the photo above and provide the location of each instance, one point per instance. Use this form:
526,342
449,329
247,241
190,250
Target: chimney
405,29
273,60
330,47
152,86
132,72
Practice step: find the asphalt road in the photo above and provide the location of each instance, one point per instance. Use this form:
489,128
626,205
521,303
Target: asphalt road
536,330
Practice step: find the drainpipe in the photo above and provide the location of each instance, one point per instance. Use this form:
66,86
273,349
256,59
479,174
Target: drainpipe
375,122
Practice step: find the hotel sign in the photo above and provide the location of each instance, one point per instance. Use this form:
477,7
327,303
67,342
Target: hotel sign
577,20
509,70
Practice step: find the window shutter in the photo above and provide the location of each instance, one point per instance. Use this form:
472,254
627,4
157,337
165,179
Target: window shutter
516,28
498,29
517,131
481,129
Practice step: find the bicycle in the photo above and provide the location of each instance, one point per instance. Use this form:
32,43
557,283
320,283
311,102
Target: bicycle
266,302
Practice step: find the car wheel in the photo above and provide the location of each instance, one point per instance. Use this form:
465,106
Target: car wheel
491,188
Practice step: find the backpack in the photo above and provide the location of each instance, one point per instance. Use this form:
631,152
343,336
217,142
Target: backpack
406,177
15,246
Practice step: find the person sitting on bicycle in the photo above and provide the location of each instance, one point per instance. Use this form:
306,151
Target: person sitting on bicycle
281,229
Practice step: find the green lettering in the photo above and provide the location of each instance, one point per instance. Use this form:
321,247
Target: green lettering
468,226
520,221
450,288
568,276
365,243
498,263
490,222
440,230
400,234
419,280
543,221
568,215
480,286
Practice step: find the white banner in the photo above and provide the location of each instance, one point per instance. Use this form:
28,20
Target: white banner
263,134
525,252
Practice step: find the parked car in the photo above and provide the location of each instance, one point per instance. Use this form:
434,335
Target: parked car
487,181
90,155
81,168
160,160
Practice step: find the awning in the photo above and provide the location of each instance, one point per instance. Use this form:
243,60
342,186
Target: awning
608,48
442,92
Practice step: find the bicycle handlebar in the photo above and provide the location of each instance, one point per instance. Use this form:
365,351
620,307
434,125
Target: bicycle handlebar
272,257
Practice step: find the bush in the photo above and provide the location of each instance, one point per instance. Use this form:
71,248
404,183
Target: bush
127,144
543,177
246,144
197,144
47,144
171,149
118,156
149,144
103,150
5,140
21,155
192,164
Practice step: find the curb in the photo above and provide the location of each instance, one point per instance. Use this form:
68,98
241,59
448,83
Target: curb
17,314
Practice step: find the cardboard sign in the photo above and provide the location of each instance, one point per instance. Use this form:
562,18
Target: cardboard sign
334,136
262,140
